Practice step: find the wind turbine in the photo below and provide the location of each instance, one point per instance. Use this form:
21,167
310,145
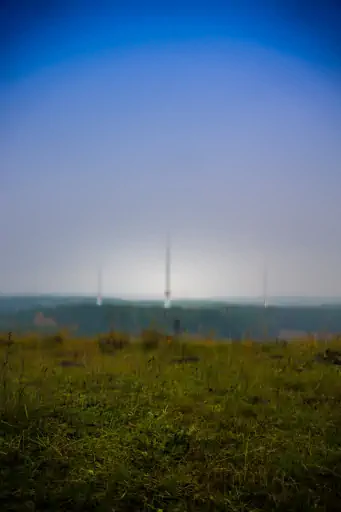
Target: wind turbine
167,274
99,292
265,286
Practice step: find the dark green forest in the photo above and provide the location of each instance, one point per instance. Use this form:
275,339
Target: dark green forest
236,322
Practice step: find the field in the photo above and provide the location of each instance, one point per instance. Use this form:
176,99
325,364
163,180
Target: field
186,426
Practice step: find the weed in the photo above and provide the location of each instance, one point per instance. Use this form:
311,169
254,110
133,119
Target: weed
113,342
151,339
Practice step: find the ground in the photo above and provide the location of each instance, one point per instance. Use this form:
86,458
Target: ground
238,427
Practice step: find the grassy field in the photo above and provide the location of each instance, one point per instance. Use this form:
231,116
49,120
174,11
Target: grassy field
246,427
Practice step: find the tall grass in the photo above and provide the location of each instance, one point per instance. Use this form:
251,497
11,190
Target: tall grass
245,427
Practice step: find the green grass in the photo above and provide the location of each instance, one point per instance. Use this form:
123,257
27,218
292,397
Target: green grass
240,430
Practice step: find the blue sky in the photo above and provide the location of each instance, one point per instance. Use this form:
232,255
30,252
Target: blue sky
220,124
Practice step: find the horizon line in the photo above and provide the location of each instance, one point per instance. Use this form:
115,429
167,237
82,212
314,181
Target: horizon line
159,298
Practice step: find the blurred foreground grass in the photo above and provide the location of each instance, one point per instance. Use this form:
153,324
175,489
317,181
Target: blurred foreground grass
246,427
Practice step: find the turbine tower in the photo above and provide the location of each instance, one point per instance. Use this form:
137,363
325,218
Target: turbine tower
167,276
265,287
99,293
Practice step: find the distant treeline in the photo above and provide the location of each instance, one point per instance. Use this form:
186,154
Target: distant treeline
236,322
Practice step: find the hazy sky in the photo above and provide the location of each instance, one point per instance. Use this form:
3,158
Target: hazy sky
222,125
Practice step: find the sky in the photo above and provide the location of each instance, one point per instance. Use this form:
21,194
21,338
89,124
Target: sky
219,123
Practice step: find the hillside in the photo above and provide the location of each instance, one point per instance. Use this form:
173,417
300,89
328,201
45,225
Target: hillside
178,427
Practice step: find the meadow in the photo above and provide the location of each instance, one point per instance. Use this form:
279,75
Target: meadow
169,425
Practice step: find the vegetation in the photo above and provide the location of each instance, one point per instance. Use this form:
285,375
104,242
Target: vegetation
114,341
234,322
183,426
151,339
